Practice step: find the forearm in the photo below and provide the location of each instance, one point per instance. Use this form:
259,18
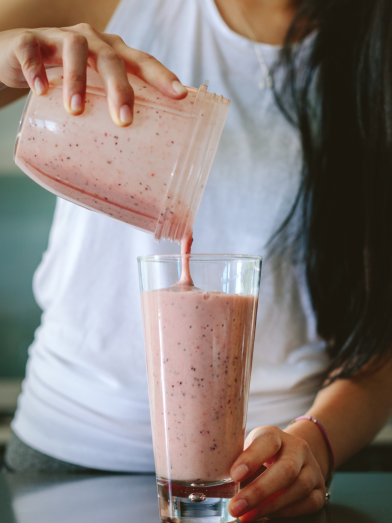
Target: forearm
352,411
28,14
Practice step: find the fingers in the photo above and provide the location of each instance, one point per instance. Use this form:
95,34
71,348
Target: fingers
75,54
266,443
292,474
301,488
273,481
120,94
81,45
27,52
149,69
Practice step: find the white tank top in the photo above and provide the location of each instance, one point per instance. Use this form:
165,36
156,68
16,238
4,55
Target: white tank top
85,398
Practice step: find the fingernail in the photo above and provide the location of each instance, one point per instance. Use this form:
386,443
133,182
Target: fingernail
39,86
126,114
76,102
178,88
238,507
240,472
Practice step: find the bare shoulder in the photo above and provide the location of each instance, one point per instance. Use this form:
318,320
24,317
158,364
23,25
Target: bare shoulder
55,13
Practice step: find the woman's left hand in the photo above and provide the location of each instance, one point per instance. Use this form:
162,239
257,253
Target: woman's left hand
292,484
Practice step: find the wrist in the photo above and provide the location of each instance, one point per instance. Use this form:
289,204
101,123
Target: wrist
312,434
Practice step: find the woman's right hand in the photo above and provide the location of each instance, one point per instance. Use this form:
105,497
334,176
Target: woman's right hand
25,52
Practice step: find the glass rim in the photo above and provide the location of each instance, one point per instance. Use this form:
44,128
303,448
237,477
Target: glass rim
199,257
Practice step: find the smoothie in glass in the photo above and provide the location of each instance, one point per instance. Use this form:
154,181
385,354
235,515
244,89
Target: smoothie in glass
199,349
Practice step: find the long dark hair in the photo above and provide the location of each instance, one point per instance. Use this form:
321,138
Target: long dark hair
346,192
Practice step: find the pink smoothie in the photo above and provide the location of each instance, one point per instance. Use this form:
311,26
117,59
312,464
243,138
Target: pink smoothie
186,244
199,350
150,175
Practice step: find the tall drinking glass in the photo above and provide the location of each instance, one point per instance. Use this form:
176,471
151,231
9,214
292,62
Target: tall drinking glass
199,344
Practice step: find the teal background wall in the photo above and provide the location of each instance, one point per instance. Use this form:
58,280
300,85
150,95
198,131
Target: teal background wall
26,212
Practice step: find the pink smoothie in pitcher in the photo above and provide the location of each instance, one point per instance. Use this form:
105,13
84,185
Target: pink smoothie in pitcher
199,349
151,174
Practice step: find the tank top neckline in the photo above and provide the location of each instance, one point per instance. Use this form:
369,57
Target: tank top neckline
271,51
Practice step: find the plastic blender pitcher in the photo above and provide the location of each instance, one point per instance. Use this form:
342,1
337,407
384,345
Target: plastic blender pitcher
151,175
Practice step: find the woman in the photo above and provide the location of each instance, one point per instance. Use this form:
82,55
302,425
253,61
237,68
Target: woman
325,302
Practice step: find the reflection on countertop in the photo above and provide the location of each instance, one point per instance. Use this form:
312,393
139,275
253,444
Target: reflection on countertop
356,498
78,499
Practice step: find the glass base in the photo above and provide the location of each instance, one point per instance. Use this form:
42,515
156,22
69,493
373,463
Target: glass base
181,502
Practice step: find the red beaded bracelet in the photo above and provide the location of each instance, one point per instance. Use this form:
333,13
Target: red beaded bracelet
331,455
